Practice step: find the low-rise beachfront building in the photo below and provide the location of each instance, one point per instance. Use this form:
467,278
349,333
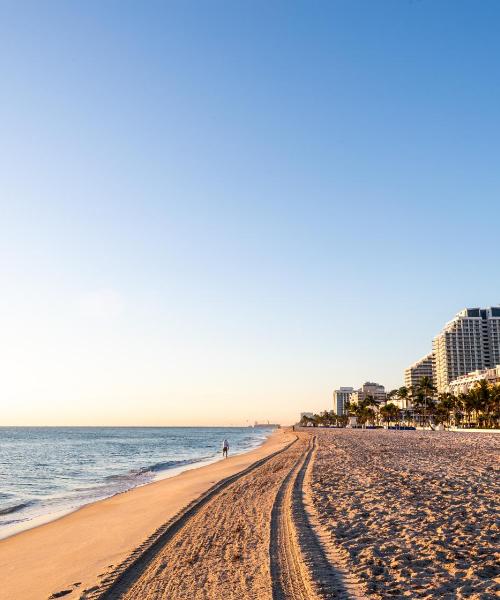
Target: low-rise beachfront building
340,397
469,342
464,383
422,368
369,389
401,403
309,415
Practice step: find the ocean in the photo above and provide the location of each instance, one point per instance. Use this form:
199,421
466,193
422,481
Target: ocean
46,472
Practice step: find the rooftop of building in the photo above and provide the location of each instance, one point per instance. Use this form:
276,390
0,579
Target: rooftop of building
491,312
476,373
479,313
421,360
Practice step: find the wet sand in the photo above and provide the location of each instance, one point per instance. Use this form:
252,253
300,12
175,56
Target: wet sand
82,547
223,550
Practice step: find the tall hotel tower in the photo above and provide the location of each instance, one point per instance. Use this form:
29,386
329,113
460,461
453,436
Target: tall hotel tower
470,341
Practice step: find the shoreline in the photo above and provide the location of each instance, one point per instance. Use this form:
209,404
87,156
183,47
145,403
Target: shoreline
7,532
78,550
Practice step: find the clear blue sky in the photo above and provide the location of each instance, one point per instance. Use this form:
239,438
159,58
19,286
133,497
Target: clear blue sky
221,211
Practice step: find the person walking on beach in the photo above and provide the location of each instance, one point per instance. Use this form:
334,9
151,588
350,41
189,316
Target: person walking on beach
225,448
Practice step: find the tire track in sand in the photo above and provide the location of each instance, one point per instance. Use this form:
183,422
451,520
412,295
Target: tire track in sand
137,567
221,545
303,566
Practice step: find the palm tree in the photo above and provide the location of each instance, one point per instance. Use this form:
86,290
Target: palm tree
390,412
480,405
403,394
460,407
417,401
445,406
327,418
390,395
342,420
348,408
305,421
364,409
332,417
427,389
495,405
468,403
323,418
370,401
353,409
369,415
483,394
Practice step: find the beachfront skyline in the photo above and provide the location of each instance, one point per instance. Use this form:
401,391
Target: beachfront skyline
220,213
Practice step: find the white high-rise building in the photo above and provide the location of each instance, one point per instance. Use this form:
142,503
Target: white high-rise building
422,368
469,342
340,397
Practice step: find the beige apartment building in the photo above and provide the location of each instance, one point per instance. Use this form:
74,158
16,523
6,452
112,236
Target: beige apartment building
464,383
369,389
422,368
469,342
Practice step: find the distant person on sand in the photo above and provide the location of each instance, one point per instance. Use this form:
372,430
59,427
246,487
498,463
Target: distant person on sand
225,448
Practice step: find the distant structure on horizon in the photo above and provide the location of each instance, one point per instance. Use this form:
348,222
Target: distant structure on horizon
275,425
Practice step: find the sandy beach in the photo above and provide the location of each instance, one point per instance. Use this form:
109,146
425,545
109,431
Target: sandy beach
413,514
82,547
347,514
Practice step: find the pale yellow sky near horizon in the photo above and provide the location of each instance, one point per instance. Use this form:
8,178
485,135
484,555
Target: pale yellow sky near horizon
82,362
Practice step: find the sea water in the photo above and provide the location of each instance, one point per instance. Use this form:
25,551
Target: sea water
46,472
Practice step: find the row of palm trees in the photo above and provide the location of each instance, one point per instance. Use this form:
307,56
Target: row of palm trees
479,407
421,405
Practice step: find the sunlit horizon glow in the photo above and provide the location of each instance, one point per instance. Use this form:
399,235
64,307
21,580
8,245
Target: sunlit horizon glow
215,214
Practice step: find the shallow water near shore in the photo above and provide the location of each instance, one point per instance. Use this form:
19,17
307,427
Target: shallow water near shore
46,472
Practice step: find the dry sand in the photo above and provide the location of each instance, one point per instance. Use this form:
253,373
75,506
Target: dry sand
337,514
223,551
415,514
251,540
82,546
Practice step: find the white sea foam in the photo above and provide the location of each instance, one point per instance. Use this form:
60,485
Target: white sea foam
50,471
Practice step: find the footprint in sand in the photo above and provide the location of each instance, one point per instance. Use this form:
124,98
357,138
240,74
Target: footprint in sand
62,593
